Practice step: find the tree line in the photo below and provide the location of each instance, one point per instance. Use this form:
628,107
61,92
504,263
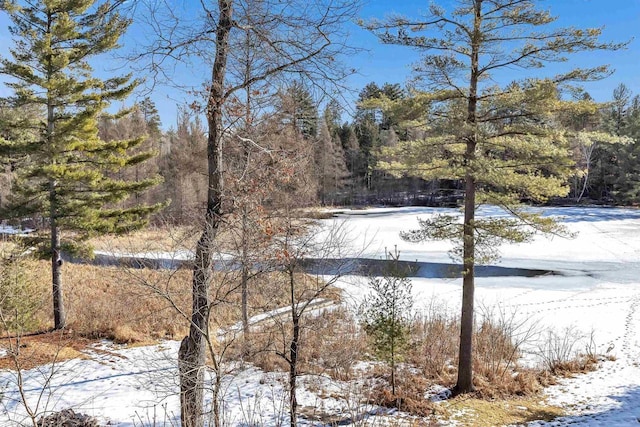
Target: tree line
350,157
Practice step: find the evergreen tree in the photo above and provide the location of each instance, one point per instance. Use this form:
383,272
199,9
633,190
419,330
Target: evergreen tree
386,313
67,178
183,167
302,110
501,142
149,111
619,166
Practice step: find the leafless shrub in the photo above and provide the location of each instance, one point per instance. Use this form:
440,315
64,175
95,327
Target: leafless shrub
332,344
561,352
435,343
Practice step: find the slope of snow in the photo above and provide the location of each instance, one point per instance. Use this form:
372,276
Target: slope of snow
597,294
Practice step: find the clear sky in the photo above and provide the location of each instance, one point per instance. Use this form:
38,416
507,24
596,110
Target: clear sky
380,63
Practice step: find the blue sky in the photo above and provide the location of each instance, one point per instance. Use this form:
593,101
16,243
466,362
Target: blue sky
380,63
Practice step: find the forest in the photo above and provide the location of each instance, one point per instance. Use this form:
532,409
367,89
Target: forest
347,158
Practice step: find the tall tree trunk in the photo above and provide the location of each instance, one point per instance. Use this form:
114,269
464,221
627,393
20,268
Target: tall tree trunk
192,354
587,152
293,371
245,273
465,356
293,355
59,314
393,365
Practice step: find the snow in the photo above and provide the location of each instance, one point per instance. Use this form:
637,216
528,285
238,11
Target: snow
595,292
6,229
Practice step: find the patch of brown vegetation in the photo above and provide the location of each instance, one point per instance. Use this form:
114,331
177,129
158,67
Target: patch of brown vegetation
139,306
409,397
473,412
156,238
330,344
30,351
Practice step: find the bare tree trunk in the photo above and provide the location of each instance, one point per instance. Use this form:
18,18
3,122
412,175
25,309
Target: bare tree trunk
465,356
293,369
59,314
293,353
191,357
587,152
245,273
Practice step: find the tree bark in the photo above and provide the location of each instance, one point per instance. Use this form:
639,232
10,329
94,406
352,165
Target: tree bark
192,354
59,314
293,370
245,274
293,353
465,356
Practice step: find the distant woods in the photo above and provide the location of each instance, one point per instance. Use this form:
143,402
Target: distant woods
345,156
338,159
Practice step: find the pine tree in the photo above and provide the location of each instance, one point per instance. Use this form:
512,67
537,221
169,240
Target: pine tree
67,178
501,142
386,313
302,110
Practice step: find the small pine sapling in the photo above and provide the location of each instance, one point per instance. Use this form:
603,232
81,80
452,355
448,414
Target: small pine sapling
386,313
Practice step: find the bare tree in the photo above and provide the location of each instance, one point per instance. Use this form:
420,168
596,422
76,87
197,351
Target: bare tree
312,259
296,38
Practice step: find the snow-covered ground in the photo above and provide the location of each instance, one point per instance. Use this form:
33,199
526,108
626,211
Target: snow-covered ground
596,291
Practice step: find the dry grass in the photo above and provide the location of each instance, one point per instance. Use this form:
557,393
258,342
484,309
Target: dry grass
330,344
474,412
497,350
141,305
31,351
410,394
156,238
164,236
105,302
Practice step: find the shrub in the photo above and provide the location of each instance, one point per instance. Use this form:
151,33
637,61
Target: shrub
560,352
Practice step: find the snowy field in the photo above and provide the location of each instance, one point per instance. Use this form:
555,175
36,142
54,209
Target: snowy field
595,289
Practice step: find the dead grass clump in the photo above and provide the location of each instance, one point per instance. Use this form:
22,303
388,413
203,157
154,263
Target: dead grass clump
435,345
101,299
332,343
522,382
158,238
318,214
473,412
124,334
26,352
580,364
567,352
409,397
498,341
105,300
